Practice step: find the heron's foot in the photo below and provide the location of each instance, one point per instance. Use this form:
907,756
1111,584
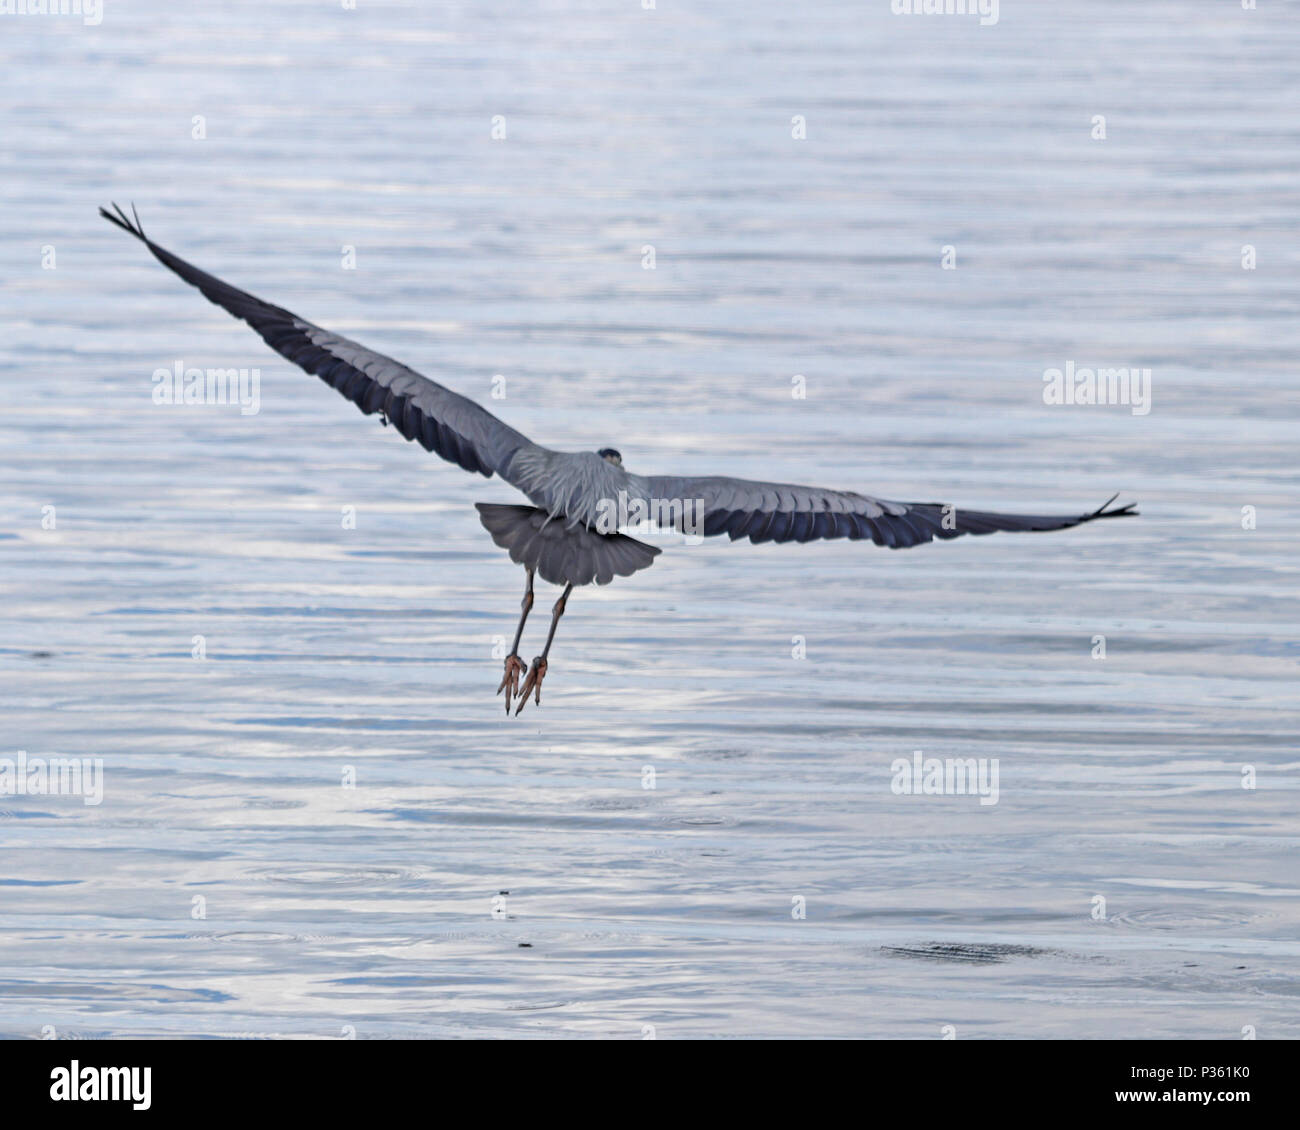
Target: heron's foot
510,680
533,683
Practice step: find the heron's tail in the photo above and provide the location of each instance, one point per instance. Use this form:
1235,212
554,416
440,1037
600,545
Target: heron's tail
562,554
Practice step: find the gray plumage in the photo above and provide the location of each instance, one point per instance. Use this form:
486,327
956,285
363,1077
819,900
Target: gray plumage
559,553
558,535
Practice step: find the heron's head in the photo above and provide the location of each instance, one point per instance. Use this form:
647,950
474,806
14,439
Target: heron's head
611,456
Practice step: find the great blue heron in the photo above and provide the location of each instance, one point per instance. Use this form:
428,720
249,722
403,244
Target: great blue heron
569,536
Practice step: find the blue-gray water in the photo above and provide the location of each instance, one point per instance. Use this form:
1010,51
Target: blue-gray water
371,909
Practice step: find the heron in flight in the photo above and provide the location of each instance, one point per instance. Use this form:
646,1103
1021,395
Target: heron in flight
569,535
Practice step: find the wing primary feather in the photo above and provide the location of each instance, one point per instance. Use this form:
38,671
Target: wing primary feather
461,431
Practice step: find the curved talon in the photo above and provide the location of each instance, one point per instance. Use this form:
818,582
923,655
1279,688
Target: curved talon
533,683
510,680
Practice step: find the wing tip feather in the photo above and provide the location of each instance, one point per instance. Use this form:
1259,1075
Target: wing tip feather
120,220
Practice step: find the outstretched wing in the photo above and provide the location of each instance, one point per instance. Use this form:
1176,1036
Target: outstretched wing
443,421
784,512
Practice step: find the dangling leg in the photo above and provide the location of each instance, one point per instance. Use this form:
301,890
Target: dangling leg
515,665
538,670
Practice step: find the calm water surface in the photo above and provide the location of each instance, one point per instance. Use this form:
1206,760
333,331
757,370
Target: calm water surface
1124,885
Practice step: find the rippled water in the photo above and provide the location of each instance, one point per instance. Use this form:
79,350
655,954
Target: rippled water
1124,885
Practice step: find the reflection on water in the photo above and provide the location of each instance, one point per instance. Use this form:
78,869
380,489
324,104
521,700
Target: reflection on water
316,814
